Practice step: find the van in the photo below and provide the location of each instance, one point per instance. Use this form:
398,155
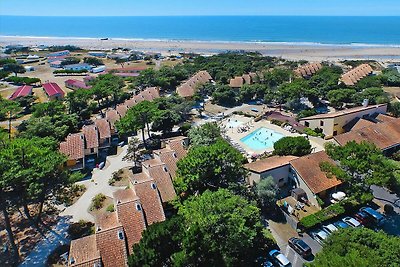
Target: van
377,217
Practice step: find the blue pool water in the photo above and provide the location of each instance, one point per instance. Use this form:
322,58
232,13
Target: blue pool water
261,139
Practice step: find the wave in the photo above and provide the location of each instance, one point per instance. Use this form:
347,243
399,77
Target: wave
259,42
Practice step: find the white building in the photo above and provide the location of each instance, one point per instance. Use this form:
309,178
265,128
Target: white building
78,67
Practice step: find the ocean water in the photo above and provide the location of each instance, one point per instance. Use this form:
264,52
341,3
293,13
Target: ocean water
296,29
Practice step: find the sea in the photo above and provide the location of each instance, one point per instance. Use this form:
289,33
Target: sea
278,29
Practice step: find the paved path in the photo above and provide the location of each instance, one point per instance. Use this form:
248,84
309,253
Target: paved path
57,236
98,184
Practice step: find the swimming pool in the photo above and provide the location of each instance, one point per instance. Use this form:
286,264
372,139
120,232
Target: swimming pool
261,139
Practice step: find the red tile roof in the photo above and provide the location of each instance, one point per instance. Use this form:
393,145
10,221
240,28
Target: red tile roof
384,118
112,249
112,116
270,163
122,109
148,194
384,135
159,172
76,84
308,167
91,136
130,214
361,123
22,91
308,69
103,127
53,89
73,146
353,76
84,252
177,144
169,157
236,82
188,89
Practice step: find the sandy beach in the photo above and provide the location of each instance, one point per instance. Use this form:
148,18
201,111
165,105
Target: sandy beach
291,51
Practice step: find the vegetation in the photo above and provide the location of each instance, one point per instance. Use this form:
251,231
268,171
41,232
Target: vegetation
14,68
213,229
97,201
267,192
359,247
80,229
70,61
209,167
322,215
71,48
317,132
93,61
296,146
23,80
390,77
394,109
8,110
70,71
204,135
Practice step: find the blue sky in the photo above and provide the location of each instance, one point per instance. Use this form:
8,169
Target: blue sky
198,7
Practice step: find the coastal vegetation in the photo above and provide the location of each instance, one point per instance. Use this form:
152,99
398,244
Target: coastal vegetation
295,146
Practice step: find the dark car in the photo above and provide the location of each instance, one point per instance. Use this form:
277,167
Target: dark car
375,216
341,225
300,247
363,218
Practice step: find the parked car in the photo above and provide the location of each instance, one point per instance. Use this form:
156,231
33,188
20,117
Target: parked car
320,236
341,225
279,258
363,218
300,247
376,216
268,264
352,222
329,229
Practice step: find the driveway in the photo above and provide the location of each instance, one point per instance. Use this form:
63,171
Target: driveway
98,184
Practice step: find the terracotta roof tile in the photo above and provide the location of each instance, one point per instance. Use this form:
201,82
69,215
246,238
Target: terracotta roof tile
22,91
177,144
308,69
112,116
103,127
270,163
309,170
361,123
91,136
383,135
236,82
188,88
122,109
384,118
150,199
112,248
130,215
84,252
73,146
354,75
159,172
168,157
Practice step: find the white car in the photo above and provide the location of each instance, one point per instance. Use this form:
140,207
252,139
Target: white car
320,236
352,222
279,258
329,229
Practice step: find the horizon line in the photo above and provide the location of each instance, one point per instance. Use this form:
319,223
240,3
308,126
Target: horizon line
215,15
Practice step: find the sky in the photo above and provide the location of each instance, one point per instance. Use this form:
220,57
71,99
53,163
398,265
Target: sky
199,7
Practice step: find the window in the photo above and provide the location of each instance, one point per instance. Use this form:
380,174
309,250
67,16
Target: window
174,155
92,150
335,133
321,123
120,235
307,124
153,185
281,180
165,169
71,260
138,207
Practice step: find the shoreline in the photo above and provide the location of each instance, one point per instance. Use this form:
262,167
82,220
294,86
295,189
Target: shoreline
287,50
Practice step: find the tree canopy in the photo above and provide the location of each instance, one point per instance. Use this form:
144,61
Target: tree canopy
359,247
204,135
296,146
209,167
212,229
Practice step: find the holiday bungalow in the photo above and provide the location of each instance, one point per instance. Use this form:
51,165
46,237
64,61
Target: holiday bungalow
335,123
59,53
352,77
78,67
308,70
53,91
22,91
91,140
104,128
73,148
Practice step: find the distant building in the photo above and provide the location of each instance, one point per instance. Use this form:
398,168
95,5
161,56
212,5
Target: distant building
98,69
277,167
104,129
53,91
91,135
308,70
56,64
189,88
76,84
335,123
239,81
352,77
59,53
385,134
78,67
22,91
97,53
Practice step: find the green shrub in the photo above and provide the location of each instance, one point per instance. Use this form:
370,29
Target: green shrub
80,229
276,122
317,132
69,71
97,201
110,208
322,215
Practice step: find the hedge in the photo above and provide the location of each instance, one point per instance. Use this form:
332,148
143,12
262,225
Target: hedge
322,215
69,71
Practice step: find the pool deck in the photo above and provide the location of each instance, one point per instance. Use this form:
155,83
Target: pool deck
235,136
